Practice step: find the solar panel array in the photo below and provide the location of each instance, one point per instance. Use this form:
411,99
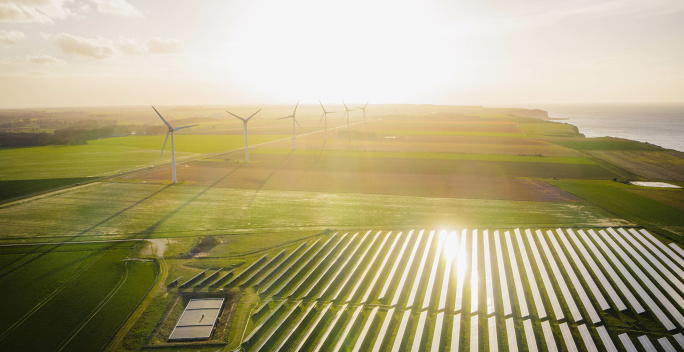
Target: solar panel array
437,290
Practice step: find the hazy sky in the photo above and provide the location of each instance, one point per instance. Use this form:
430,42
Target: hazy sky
133,52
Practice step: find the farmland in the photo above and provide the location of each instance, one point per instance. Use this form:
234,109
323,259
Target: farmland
285,238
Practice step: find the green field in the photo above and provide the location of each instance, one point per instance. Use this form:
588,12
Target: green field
88,290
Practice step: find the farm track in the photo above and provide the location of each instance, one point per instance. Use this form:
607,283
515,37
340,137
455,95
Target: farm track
102,303
48,298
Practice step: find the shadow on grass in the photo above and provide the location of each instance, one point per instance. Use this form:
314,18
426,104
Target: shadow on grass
16,188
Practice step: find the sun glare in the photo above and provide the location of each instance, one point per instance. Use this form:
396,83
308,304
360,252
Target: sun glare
326,51
451,245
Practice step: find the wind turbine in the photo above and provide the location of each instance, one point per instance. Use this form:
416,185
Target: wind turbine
364,114
346,112
294,120
173,154
325,116
244,124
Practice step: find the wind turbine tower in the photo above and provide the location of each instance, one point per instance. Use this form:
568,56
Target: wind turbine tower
294,120
325,116
173,153
364,114
346,112
244,124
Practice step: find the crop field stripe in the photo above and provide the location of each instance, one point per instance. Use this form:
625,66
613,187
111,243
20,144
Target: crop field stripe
383,329
418,335
560,279
433,271
576,283
317,264
419,273
491,330
678,250
474,334
347,329
396,347
295,327
587,339
646,343
277,266
263,322
651,286
522,302
627,343
673,279
330,264
437,333
680,339
474,276
50,296
400,256
489,284
503,283
357,263
635,284
548,337
407,270
256,273
287,268
529,336
546,280
364,331
567,338
381,268
611,272
585,274
369,266
666,345
313,327
510,335
536,296
660,253
451,238
277,326
462,263
303,266
330,328
339,270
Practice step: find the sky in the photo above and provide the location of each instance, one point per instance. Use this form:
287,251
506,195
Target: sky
204,52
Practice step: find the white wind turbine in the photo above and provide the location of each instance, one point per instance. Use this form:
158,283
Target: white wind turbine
346,112
244,124
364,114
173,154
294,120
325,116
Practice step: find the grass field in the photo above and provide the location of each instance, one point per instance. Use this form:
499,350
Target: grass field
16,188
78,294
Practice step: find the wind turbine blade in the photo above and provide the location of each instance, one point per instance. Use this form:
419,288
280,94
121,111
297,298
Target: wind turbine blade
252,116
321,119
180,128
295,110
286,117
243,120
345,105
166,123
321,105
364,107
295,120
164,146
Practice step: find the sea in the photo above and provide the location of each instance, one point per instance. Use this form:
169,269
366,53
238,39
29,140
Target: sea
660,124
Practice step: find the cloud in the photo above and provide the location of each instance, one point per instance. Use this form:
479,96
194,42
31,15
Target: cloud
43,60
164,46
131,46
117,7
98,48
42,11
11,37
